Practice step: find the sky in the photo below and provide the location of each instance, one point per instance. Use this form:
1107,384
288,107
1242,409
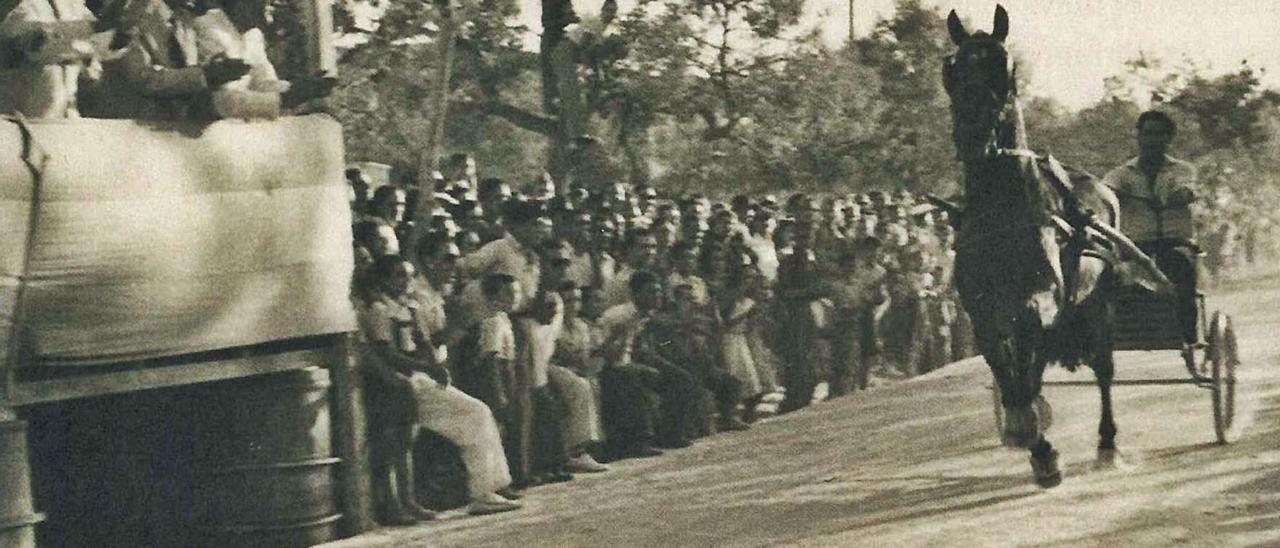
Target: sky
1072,45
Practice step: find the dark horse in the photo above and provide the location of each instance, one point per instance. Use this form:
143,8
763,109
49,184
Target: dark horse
1024,267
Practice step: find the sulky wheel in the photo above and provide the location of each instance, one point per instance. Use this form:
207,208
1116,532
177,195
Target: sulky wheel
1223,357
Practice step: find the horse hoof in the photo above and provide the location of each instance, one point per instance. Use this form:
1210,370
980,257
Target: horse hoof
1046,471
1111,459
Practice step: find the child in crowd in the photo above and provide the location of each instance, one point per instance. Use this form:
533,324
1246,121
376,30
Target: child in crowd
387,361
484,366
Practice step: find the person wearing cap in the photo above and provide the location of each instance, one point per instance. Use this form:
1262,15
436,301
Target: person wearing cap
515,253
647,197
459,172
541,188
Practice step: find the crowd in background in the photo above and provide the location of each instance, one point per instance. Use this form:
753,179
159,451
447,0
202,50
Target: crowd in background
542,332
531,333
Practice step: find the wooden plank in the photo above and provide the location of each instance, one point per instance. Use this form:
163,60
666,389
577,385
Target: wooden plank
161,377
350,441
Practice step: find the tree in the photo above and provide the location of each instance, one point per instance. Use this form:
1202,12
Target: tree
912,148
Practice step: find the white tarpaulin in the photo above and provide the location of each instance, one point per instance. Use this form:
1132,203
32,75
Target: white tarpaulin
157,240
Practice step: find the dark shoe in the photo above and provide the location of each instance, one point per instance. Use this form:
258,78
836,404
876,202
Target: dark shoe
400,520
509,493
419,513
641,452
559,476
679,443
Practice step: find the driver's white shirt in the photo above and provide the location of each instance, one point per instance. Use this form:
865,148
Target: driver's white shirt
1138,219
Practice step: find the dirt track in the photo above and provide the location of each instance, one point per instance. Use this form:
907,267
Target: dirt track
918,464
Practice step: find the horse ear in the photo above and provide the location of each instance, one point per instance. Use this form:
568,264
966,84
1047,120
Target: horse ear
1001,29
956,28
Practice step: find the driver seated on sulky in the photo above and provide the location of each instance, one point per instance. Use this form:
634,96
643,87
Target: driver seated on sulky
1156,192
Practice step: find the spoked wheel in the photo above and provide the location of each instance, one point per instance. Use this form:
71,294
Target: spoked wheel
1222,354
1044,412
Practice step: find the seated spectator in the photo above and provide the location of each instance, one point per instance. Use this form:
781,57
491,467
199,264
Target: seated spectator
574,373
691,337
410,389
157,73
484,367
46,50
647,400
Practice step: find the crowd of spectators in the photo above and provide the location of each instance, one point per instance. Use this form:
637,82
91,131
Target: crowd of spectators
543,332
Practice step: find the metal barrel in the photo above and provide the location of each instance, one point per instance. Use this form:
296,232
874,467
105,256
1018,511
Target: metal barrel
18,517
267,472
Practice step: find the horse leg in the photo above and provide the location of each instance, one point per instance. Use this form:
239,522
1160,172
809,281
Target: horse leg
1044,464
1108,456
1021,423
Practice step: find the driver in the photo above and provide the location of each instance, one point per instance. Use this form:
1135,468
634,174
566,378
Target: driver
1156,191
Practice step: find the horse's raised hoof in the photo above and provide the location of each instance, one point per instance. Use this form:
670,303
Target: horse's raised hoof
1111,459
1021,427
1046,470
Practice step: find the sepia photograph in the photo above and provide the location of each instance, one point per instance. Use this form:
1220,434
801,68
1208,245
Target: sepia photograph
639,273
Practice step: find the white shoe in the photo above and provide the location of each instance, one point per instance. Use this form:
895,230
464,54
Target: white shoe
585,464
492,503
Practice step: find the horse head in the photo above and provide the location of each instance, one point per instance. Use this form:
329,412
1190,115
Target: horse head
980,80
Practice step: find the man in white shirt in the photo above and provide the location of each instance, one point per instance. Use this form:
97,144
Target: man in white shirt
515,254
1155,192
642,254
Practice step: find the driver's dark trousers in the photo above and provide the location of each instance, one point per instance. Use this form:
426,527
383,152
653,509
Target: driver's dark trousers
1179,265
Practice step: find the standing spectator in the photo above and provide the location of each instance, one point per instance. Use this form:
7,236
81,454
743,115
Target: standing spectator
738,309
386,211
515,255
798,290
642,253
860,298
460,176
684,274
